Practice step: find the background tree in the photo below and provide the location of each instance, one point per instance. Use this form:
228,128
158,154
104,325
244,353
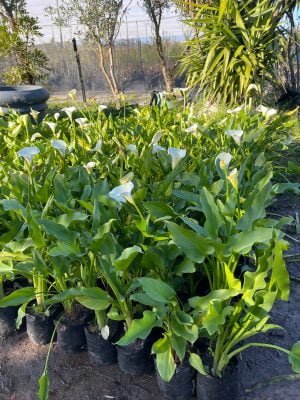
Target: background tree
100,20
155,10
237,46
29,62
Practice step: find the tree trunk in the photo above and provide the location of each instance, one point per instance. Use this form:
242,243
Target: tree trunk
167,74
104,71
112,69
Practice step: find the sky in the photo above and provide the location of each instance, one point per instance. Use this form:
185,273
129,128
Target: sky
137,22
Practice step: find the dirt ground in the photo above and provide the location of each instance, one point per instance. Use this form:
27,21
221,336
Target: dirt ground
264,374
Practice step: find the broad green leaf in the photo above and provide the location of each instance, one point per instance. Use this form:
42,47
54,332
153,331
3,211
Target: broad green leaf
159,209
215,316
6,256
187,331
179,344
157,290
92,298
127,257
67,219
139,328
21,314
232,282
213,218
60,232
14,205
18,297
280,279
196,362
143,298
43,392
34,230
166,365
195,246
64,249
243,242
187,266
202,303
161,345
294,357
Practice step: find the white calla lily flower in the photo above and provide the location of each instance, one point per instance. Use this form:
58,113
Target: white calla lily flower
52,125
177,155
36,135
192,129
90,165
132,148
28,153
98,147
236,135
156,138
82,122
56,116
102,107
233,178
266,112
235,110
224,159
122,193
69,111
157,148
60,146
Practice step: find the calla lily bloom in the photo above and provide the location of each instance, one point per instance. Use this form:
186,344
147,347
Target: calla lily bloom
177,155
121,193
192,129
52,125
156,138
98,146
224,159
90,165
82,122
236,135
233,178
56,116
69,111
132,148
235,110
157,148
59,145
28,153
102,107
266,112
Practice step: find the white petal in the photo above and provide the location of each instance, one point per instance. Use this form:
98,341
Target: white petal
192,128
224,159
102,107
69,111
132,148
56,116
59,145
52,125
82,121
157,148
176,154
98,146
28,153
120,193
156,138
236,134
35,136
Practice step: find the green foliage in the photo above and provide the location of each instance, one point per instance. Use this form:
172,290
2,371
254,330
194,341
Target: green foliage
234,49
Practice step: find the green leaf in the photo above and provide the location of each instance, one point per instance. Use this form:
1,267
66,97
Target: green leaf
157,290
139,328
179,344
14,205
195,246
294,357
43,392
161,345
159,209
187,266
18,297
202,303
215,316
243,242
93,298
280,278
21,315
34,230
126,258
165,364
196,362
64,249
60,232
6,256
213,217
187,331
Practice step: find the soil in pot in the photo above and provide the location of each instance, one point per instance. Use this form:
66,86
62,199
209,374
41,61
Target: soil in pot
135,358
181,386
101,351
225,388
40,327
8,317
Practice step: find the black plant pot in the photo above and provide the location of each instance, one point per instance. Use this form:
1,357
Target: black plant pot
100,351
39,327
135,358
8,317
225,388
70,335
181,386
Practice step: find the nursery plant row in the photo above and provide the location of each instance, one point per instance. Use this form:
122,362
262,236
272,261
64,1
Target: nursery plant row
145,235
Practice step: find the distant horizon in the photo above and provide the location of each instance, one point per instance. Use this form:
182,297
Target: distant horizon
136,24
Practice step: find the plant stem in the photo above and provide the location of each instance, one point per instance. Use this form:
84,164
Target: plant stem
267,345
